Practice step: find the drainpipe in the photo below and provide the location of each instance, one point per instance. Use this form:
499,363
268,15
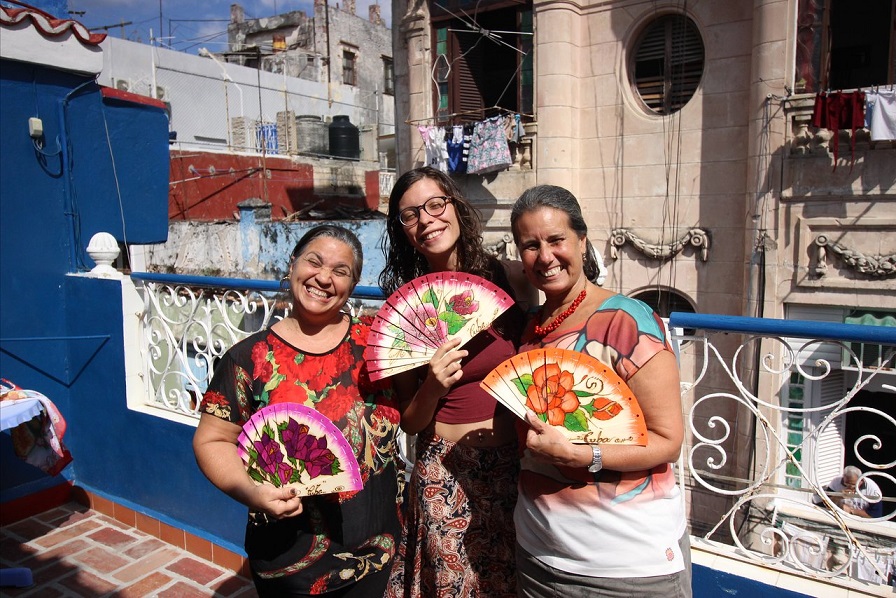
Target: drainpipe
329,54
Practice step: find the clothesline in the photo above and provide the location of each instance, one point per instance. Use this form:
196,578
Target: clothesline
481,112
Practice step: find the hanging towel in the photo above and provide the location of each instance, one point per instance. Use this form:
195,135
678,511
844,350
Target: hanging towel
838,110
880,114
489,150
513,128
38,440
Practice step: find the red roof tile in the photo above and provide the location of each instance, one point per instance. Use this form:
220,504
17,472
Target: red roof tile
48,25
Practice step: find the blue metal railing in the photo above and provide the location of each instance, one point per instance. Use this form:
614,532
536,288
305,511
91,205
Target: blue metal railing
881,335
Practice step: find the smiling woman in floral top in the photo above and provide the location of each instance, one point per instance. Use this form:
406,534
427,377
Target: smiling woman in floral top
339,544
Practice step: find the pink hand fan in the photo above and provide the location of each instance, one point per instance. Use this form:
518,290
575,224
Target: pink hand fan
573,391
288,444
426,312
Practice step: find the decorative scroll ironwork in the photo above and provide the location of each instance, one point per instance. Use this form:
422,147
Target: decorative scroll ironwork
740,505
882,266
696,237
187,328
755,518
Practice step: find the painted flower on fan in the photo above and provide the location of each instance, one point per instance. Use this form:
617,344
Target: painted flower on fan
269,454
284,473
551,393
424,317
464,303
605,409
309,449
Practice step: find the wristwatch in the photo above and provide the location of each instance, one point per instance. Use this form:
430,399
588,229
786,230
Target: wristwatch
597,461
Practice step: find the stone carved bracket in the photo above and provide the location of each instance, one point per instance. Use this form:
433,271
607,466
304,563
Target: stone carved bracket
696,237
504,249
881,266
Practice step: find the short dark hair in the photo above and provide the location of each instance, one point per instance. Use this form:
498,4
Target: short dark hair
340,234
558,198
403,262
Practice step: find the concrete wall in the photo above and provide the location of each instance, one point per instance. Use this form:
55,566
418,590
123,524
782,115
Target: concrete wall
254,247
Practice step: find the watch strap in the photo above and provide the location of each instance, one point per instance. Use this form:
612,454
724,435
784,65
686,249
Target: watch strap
597,462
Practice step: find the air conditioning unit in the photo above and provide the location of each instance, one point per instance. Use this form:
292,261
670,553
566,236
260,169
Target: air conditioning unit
122,84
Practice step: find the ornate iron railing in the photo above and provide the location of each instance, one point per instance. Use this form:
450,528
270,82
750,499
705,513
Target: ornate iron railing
759,455
189,322
763,398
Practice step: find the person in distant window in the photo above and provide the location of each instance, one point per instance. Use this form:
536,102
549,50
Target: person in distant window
855,497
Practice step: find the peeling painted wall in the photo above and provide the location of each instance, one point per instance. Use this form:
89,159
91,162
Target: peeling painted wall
251,247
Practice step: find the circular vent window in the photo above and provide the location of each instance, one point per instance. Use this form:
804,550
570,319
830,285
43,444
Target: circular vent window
668,63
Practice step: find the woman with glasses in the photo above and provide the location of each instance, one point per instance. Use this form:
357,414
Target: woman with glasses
339,544
458,537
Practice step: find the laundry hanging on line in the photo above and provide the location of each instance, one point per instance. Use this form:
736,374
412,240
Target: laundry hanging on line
474,148
880,113
838,110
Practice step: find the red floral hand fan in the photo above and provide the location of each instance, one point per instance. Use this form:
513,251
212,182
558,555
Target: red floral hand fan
287,444
425,313
573,391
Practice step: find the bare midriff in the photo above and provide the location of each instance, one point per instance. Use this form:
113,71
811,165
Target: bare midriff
497,431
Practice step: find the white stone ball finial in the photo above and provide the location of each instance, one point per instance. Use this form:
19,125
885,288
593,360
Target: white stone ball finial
103,250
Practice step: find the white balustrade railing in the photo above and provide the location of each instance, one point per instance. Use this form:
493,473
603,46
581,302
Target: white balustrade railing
189,322
768,402
767,406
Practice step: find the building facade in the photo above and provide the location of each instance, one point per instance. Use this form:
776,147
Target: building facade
333,46
692,135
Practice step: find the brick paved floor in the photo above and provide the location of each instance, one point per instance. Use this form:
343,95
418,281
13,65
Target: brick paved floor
75,551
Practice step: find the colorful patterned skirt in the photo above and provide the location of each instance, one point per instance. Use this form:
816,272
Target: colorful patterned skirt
458,540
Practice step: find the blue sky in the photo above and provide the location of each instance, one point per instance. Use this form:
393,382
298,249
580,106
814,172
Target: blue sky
188,25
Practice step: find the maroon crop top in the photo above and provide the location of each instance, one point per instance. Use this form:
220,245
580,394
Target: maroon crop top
466,402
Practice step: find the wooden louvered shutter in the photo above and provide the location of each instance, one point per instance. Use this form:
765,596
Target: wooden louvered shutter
668,63
468,71
828,462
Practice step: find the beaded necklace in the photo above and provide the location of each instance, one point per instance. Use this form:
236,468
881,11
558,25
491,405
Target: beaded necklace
543,331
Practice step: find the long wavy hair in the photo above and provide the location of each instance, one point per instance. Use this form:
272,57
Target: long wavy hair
404,262
558,198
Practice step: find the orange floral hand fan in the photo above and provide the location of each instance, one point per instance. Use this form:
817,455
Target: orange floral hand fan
287,444
573,391
425,313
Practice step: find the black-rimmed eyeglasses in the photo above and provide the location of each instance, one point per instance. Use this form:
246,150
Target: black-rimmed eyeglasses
434,206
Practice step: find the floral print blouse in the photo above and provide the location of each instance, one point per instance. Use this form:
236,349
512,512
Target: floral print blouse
339,538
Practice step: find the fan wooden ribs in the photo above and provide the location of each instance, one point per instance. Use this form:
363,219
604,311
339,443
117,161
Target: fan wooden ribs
423,314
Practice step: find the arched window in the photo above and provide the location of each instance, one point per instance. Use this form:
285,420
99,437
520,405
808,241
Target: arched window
664,302
668,63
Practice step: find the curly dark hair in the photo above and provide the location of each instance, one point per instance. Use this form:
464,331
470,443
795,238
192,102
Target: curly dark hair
404,263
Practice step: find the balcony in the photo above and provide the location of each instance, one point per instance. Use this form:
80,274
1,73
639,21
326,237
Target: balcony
758,409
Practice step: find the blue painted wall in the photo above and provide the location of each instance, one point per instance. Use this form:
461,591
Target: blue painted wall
102,165
710,583
62,334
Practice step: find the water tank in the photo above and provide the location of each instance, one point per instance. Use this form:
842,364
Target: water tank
311,132
345,141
